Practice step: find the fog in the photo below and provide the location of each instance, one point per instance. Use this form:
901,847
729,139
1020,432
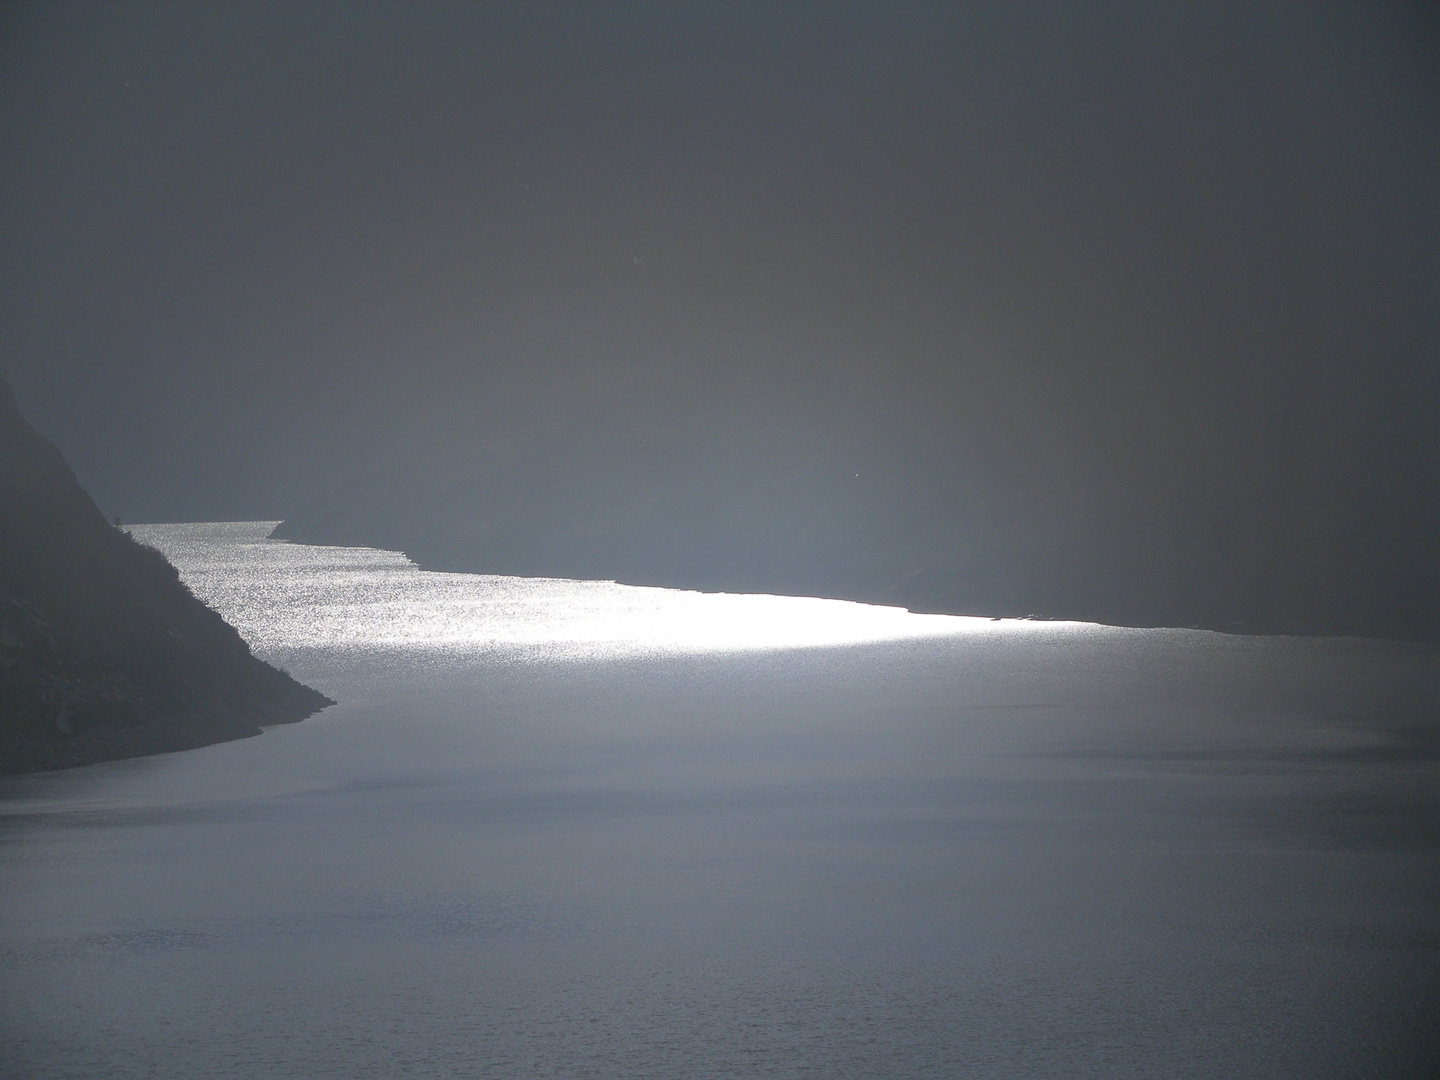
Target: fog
848,539
997,299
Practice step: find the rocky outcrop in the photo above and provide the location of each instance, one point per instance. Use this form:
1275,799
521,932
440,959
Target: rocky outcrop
104,653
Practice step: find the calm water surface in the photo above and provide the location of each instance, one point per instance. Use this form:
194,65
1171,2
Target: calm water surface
578,829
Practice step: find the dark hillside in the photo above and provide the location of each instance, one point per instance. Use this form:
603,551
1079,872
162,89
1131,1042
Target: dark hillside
104,654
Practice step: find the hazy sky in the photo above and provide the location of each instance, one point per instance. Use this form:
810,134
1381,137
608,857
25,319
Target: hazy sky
245,245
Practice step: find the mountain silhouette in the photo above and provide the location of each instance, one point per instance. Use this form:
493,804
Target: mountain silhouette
104,653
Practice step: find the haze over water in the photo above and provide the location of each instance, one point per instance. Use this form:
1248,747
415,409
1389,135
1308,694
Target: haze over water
579,829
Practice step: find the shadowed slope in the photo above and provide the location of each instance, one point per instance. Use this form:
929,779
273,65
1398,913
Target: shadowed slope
104,654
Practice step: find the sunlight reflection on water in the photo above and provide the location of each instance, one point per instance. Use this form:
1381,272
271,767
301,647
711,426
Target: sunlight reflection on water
311,596
947,847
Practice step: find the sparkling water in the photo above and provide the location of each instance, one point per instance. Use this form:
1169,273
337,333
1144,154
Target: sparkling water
560,828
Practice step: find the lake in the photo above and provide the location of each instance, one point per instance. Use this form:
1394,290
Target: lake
578,829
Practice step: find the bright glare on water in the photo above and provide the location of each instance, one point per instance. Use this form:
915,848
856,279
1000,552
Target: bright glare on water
577,829
283,596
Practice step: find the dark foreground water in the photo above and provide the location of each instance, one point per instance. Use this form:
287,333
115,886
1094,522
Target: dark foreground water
571,829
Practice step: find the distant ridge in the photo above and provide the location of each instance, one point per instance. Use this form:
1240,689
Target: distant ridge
1310,540
104,653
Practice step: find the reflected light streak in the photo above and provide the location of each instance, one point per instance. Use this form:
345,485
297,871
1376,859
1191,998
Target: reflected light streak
337,596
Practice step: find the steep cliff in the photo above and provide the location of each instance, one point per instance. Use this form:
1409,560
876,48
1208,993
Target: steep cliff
104,653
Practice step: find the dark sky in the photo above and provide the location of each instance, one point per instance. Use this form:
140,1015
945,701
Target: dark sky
246,246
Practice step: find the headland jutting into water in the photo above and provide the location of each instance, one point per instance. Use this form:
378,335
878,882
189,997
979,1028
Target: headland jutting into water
104,654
